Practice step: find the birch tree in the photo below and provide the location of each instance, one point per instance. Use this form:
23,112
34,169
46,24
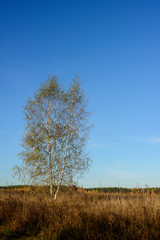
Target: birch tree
55,136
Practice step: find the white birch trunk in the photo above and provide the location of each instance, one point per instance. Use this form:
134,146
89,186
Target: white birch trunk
65,156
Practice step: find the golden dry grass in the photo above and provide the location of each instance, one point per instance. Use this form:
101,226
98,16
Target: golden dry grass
79,215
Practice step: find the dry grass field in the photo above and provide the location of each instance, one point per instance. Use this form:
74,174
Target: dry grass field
79,215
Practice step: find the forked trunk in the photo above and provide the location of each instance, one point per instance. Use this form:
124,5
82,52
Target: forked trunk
60,182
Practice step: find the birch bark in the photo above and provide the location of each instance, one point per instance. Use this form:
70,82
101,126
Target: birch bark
65,155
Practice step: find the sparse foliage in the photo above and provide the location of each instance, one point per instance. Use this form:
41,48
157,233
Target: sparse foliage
56,133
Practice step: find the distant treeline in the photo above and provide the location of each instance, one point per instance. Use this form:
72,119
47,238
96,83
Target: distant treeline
34,187
15,187
124,190
99,189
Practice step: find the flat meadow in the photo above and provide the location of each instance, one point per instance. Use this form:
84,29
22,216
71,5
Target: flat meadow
78,214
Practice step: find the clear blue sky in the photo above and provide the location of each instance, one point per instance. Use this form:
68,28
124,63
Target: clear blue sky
114,46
